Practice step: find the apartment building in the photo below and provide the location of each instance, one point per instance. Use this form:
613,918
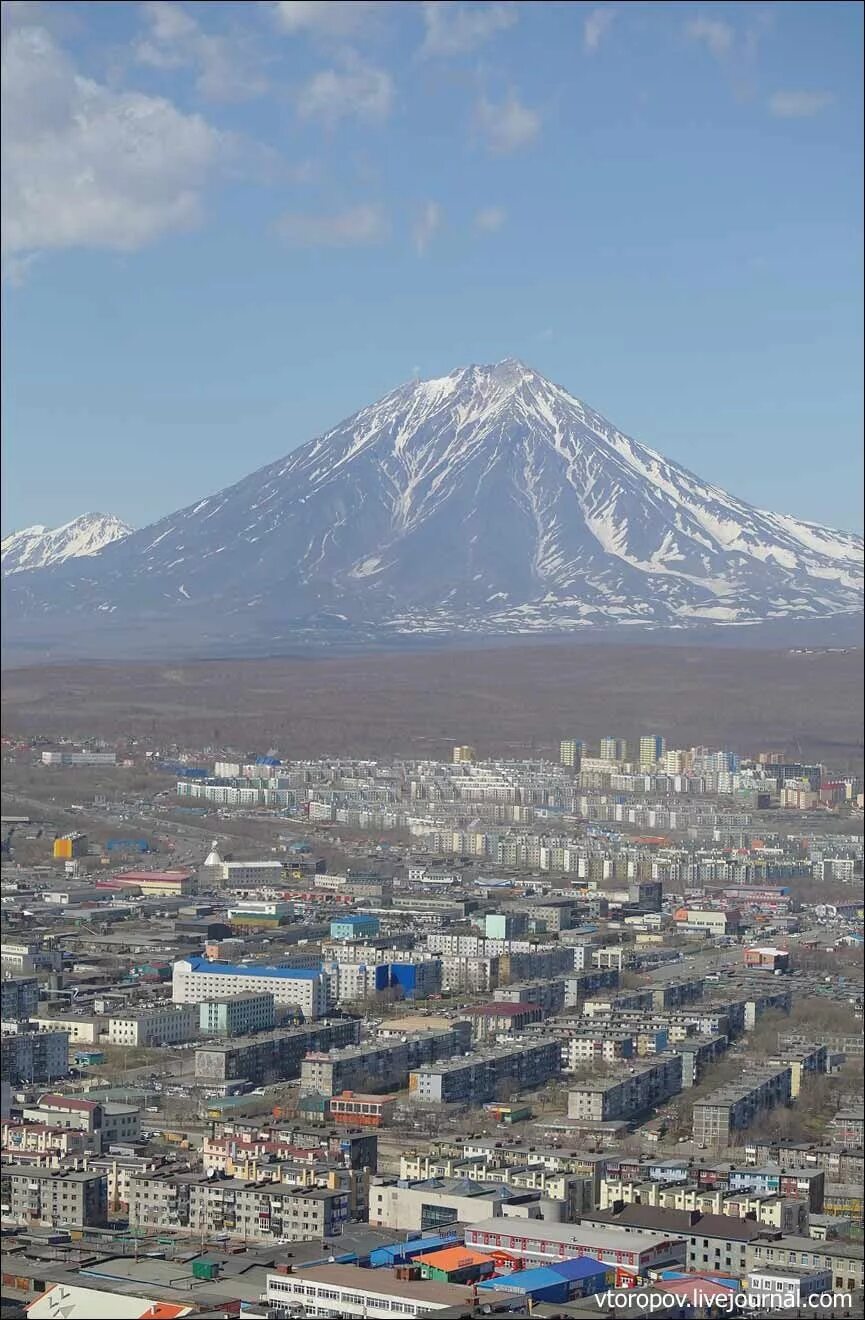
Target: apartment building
41,1139
581,985
305,989
34,1056
803,1061
583,1047
808,1185
20,998
380,1066
465,973
697,1053
787,1214
480,1076
732,1108
164,1024
271,1057
237,1015
260,1210
848,1126
839,1164
547,993
55,1198
628,1095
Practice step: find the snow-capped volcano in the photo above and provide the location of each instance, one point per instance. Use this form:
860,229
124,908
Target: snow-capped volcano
487,501
37,547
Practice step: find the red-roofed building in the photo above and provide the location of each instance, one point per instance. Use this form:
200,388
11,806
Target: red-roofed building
502,1018
163,884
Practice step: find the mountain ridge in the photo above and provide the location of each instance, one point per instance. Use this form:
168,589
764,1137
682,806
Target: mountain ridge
489,501
40,547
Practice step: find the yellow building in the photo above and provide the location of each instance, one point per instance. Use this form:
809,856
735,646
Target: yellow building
463,753
70,846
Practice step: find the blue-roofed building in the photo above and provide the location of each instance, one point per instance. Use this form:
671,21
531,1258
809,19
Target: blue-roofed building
306,990
585,1276
400,1253
560,1281
540,1285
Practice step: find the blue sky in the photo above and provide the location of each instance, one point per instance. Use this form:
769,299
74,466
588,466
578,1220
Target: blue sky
226,227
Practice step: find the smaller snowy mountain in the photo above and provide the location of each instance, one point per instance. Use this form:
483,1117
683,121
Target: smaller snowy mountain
39,547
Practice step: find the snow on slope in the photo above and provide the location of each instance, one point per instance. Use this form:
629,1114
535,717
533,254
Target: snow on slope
38,547
489,500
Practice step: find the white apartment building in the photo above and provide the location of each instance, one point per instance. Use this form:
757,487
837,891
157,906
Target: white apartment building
307,989
169,1024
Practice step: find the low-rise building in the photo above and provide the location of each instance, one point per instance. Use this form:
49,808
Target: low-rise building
532,1242
164,1024
434,1203
349,1290
842,1259
237,1015
359,1110
717,1243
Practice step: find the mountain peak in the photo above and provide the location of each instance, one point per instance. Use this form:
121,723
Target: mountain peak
39,546
487,501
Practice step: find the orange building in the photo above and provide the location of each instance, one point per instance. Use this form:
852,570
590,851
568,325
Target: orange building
362,1110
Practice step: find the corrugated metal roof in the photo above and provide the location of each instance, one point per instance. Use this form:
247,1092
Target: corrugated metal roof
253,969
580,1268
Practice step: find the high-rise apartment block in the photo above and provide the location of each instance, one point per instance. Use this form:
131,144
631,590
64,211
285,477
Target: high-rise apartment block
571,752
614,749
651,749
463,754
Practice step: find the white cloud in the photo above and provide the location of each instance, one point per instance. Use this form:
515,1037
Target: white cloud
358,91
596,25
426,226
798,105
490,218
508,125
453,29
714,33
326,18
87,165
228,68
358,226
